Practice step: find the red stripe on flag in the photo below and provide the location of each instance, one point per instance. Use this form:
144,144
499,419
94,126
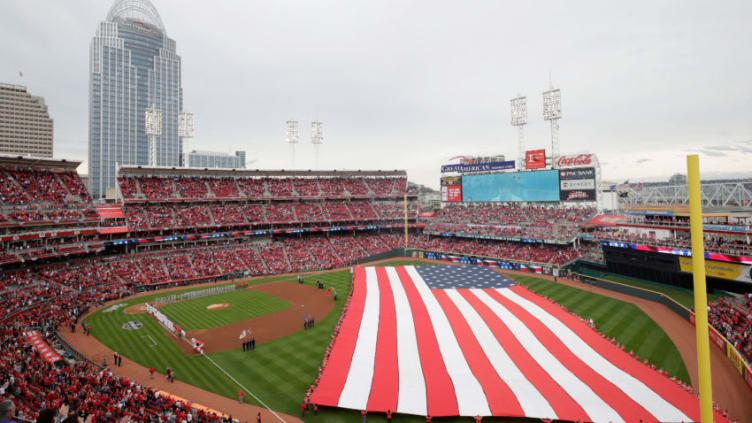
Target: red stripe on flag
441,400
564,405
662,385
385,384
334,377
501,399
627,408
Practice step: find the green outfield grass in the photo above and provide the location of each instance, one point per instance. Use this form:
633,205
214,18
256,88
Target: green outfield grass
683,296
631,327
280,371
244,304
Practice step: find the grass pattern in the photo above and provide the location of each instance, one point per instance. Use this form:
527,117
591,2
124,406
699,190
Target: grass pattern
244,304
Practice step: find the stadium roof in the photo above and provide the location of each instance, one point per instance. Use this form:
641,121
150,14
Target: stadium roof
31,161
135,10
139,170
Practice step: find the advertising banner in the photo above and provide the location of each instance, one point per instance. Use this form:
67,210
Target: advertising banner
542,185
451,193
478,167
451,180
577,184
577,160
720,269
735,358
48,354
535,159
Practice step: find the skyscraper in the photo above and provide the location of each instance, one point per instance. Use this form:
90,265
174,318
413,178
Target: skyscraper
133,66
25,124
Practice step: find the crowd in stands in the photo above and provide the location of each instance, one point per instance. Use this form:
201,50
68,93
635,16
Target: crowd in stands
510,220
202,188
524,252
733,319
162,216
34,384
35,196
267,256
714,243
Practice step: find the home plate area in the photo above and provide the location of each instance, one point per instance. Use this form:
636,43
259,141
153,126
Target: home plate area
467,341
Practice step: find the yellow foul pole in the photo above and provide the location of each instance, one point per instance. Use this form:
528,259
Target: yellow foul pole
701,296
405,223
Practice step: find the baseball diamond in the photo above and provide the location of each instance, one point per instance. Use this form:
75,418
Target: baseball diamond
279,369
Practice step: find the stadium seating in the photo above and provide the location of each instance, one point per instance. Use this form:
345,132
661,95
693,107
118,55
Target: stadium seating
723,244
510,220
733,319
524,252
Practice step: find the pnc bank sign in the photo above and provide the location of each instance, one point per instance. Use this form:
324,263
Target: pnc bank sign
579,160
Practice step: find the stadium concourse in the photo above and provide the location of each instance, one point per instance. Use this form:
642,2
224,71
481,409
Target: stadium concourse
63,255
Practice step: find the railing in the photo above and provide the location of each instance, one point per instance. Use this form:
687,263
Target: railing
745,251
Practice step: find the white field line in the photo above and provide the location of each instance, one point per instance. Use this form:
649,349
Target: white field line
152,340
245,389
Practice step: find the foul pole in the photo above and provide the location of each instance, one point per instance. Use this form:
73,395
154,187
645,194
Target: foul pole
405,201
701,296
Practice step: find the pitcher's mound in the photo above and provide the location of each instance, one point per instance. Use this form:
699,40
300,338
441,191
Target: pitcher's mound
219,306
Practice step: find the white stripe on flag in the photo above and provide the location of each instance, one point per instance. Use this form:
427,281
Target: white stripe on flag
412,386
358,384
533,403
634,388
471,400
594,406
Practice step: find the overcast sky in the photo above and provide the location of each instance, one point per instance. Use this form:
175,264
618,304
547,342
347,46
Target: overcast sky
409,84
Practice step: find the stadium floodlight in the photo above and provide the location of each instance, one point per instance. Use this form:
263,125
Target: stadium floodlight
292,135
552,113
317,138
185,130
519,119
519,111
185,125
153,123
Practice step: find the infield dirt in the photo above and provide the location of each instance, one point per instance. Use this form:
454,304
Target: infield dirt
302,298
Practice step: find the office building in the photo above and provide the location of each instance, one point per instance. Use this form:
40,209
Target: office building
214,159
25,124
133,66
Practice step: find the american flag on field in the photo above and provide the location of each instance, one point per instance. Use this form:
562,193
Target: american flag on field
467,341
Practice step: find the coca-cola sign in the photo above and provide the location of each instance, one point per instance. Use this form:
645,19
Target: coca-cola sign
574,161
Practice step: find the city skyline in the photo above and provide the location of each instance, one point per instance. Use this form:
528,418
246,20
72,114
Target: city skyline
640,85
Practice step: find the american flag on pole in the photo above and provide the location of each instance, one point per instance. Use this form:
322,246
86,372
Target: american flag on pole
467,341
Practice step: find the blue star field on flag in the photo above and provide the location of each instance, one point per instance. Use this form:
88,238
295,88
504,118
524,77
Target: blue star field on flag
468,277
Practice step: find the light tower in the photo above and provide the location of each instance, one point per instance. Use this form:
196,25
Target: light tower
552,113
519,119
185,130
293,135
317,137
153,130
